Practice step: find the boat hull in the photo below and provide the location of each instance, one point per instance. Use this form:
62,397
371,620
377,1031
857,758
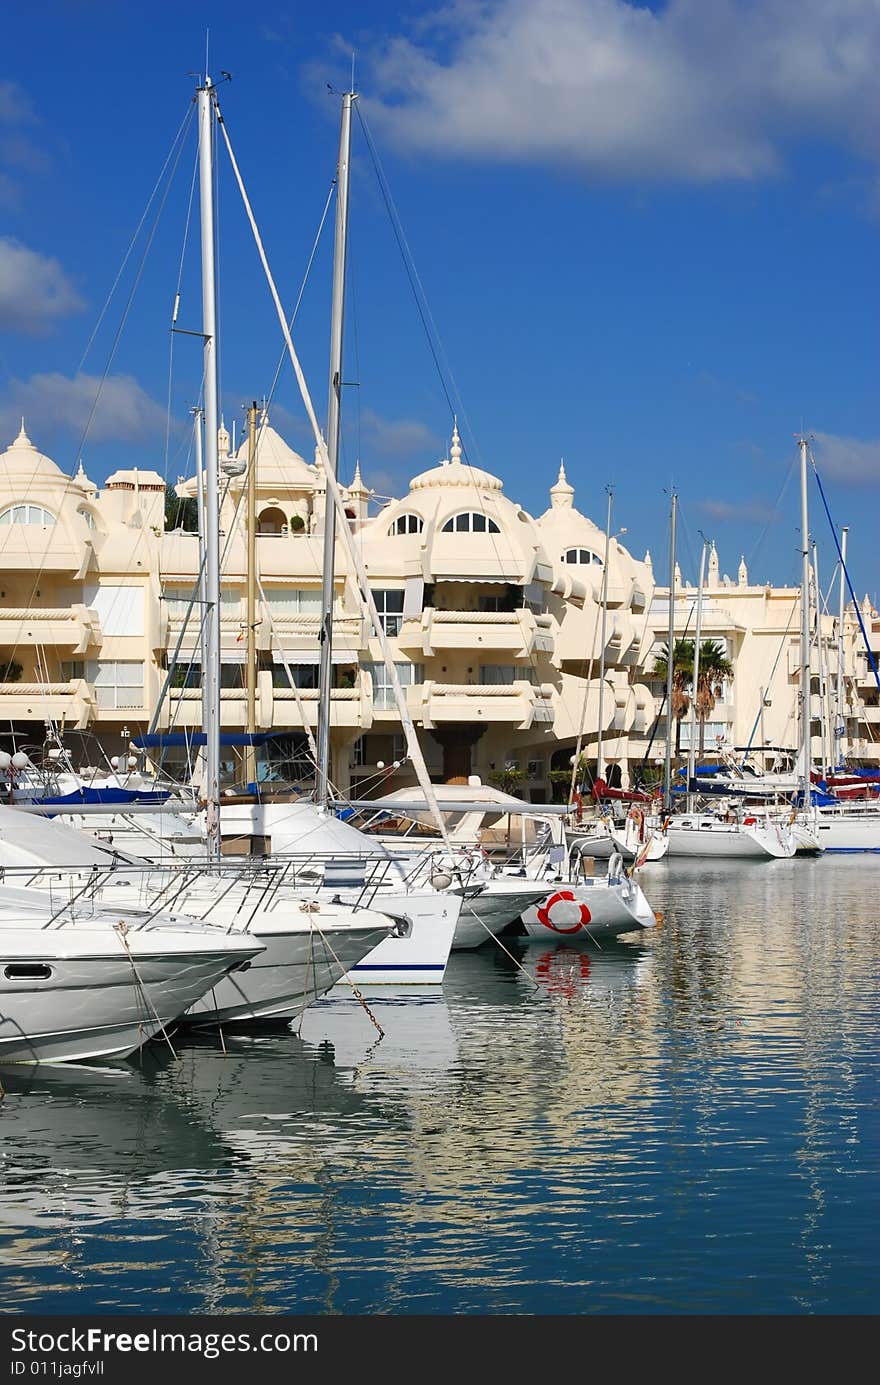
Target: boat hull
420,958
485,914
589,910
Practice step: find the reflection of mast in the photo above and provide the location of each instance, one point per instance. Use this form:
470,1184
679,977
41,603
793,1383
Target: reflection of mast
333,410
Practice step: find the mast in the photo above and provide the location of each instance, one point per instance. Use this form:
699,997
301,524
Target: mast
600,767
198,420
820,661
211,669
692,749
250,754
839,723
804,775
670,657
333,414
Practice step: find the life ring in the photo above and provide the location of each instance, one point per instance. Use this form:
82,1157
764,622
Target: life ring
562,901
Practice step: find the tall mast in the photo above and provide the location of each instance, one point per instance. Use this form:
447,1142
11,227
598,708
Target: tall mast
692,749
820,663
198,420
250,754
805,631
333,412
839,723
670,657
211,670
600,767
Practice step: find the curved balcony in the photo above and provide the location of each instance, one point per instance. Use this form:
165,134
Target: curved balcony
520,704
518,633
70,628
72,702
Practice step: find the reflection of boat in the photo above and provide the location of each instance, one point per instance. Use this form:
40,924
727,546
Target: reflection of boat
567,971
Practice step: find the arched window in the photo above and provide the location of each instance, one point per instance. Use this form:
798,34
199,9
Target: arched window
581,555
88,517
470,523
406,524
26,514
272,521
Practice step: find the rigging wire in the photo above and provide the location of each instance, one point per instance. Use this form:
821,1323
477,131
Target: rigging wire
192,188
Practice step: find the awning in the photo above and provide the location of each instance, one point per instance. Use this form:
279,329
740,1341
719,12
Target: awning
172,740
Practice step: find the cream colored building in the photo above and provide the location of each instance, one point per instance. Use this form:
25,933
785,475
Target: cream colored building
494,618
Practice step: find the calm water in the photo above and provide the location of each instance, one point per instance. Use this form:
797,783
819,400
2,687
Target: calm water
683,1123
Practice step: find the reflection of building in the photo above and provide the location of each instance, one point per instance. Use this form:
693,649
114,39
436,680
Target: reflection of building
493,616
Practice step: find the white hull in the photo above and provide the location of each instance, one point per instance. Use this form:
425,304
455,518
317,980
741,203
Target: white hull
295,968
588,910
591,839
419,959
90,998
653,846
709,837
844,832
485,914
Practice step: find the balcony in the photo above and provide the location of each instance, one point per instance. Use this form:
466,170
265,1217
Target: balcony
288,635
278,709
518,633
519,704
43,548
72,703
69,628
870,716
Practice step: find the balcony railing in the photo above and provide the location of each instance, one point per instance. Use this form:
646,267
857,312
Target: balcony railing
71,628
518,633
519,703
72,702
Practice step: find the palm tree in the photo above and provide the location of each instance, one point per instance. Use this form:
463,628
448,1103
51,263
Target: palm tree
682,677
714,666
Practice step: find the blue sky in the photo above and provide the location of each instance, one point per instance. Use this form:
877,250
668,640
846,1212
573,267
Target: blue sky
648,238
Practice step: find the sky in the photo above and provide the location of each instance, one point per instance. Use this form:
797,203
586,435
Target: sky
645,238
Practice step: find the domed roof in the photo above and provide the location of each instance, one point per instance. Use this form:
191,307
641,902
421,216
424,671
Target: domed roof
21,458
279,468
455,472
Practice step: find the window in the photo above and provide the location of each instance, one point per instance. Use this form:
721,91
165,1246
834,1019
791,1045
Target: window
120,609
88,517
407,524
389,604
502,674
359,753
383,693
581,555
535,769
26,514
118,683
272,521
470,523
293,601
71,669
304,675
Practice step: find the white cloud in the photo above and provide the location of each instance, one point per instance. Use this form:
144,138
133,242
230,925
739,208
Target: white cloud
404,437
52,403
34,290
698,90
753,511
851,460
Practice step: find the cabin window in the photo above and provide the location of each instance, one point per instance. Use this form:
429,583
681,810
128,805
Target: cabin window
469,522
26,514
406,524
27,971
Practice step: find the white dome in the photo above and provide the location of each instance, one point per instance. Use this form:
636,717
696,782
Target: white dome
455,472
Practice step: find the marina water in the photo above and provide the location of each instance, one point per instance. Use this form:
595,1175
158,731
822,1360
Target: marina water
686,1121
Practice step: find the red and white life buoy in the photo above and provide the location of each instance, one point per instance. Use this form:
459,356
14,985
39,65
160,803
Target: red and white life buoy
563,913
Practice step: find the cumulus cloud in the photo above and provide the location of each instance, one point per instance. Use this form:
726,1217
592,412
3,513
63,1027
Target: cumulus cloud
34,290
695,90
753,511
403,437
53,403
855,461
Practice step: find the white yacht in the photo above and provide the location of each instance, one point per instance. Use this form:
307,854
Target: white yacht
79,982
749,838
305,943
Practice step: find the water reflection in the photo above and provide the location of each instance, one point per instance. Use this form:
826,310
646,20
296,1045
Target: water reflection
678,1121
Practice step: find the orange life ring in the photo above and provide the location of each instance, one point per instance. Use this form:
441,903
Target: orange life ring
563,897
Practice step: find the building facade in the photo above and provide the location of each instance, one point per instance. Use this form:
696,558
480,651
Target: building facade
500,624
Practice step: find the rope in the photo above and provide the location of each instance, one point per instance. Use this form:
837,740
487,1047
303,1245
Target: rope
121,930
849,584
344,976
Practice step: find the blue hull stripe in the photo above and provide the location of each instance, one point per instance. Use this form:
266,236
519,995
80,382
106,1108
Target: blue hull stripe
851,850
400,966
